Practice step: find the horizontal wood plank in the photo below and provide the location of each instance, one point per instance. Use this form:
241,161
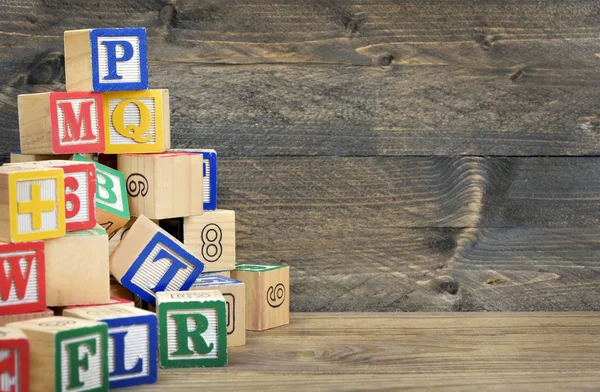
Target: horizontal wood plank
370,351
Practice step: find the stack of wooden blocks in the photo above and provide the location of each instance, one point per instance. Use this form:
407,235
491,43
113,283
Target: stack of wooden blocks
96,191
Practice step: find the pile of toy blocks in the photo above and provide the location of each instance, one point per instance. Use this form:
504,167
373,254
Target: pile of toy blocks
96,191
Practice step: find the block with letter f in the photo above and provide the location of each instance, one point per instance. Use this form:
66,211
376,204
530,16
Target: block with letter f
148,260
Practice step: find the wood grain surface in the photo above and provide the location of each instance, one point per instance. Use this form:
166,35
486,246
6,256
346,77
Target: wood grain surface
443,351
414,155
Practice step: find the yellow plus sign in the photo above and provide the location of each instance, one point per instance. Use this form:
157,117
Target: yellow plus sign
36,206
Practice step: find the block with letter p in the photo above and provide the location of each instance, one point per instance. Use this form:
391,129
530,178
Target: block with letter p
14,360
61,123
149,260
68,354
137,121
106,59
32,203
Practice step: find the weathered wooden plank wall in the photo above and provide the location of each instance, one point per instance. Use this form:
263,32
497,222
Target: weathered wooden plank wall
414,155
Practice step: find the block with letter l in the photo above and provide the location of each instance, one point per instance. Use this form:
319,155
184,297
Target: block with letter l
14,360
192,329
132,342
149,260
61,123
67,354
106,59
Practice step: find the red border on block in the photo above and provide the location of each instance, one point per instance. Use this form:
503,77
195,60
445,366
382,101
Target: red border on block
22,346
113,301
40,305
57,147
90,168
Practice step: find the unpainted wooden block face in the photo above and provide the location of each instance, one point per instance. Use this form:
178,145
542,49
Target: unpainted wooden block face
22,279
14,360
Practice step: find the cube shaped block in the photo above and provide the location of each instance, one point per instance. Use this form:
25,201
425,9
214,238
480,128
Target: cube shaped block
209,172
192,329
210,237
61,123
234,292
137,121
14,360
32,203
164,185
112,206
77,268
12,318
132,342
149,260
22,278
267,295
66,354
106,59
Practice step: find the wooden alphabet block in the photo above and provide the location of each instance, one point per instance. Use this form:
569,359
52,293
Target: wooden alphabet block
32,203
164,185
17,157
137,121
22,278
61,123
149,260
234,292
132,342
77,268
210,237
66,354
114,301
209,171
11,318
267,295
112,206
14,360
106,59
192,329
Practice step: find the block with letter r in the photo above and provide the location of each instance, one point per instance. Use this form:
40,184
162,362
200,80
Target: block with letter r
106,59
148,260
14,360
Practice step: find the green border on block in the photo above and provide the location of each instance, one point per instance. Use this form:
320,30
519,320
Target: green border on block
100,167
82,332
220,360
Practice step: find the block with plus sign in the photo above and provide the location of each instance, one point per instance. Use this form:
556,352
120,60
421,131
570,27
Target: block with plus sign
14,360
112,206
106,59
61,123
267,294
234,292
192,329
132,342
209,173
148,260
67,354
32,203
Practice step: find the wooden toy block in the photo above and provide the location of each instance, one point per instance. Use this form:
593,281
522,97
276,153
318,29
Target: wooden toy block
209,171
11,318
210,237
66,354
149,260
22,278
112,206
192,330
267,295
106,59
132,342
77,268
61,123
114,301
137,121
17,157
14,360
32,203
163,185
234,292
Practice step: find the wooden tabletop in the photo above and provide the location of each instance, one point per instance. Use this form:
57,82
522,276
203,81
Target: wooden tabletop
393,351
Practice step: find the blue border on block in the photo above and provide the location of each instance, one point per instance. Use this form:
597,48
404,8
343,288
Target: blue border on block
101,87
151,320
174,247
212,158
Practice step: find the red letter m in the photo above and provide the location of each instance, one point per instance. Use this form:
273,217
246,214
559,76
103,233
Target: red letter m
14,275
74,124
7,366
